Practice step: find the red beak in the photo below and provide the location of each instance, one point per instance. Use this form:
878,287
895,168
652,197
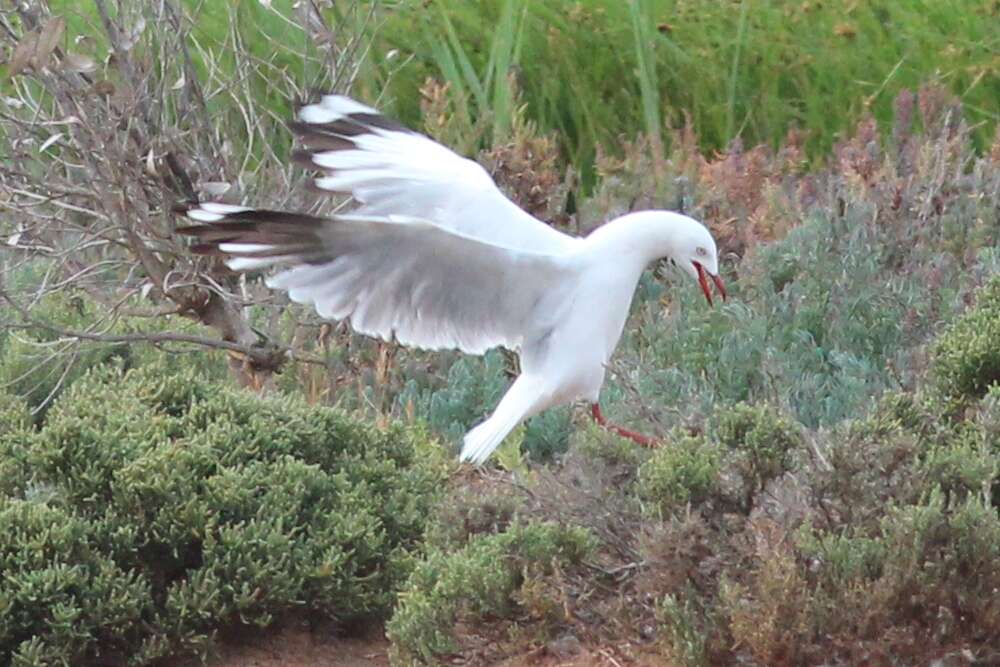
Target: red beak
703,281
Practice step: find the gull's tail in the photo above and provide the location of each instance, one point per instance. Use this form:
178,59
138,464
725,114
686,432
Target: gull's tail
481,441
522,400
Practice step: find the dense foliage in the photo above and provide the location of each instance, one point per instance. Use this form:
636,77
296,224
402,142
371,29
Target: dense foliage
967,356
479,580
150,510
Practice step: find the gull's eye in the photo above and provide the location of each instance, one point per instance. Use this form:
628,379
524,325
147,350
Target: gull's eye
701,251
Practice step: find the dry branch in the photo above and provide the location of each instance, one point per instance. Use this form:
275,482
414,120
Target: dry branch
106,134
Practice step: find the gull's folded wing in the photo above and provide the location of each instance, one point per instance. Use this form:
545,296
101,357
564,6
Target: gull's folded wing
391,276
391,170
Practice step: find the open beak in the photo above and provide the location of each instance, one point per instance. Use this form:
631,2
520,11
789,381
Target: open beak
703,281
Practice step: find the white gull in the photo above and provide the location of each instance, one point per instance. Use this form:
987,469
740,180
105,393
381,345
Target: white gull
437,257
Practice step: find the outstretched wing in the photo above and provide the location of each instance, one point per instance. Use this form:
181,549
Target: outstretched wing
430,287
391,170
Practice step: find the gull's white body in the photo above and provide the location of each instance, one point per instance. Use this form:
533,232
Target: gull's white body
437,257
579,326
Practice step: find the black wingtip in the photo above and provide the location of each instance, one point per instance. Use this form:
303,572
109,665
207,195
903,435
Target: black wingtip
298,127
206,249
379,121
304,158
326,136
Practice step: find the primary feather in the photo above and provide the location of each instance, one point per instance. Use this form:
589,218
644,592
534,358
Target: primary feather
391,170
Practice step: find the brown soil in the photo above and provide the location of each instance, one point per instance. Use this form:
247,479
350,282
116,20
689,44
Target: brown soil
300,647
587,658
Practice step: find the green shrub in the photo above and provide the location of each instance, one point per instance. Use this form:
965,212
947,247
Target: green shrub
63,599
917,413
865,464
961,465
943,570
927,566
478,580
595,443
470,511
842,558
966,356
684,640
224,508
924,579
14,414
760,443
15,428
683,469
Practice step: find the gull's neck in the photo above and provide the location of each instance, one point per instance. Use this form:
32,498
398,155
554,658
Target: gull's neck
637,239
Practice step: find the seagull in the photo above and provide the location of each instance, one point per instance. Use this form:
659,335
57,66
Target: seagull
435,256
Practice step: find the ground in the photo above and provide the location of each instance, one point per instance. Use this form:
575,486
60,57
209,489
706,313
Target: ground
301,647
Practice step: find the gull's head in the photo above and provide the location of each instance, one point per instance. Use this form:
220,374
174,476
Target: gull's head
670,237
682,242
694,252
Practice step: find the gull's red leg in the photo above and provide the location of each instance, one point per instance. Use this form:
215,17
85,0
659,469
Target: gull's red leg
645,441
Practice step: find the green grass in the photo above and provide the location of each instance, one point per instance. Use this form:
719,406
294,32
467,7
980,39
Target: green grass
594,70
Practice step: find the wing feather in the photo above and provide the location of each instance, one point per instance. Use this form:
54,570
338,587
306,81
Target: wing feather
391,170
393,276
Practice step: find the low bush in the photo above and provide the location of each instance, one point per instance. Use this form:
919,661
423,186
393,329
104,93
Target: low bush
182,507
963,465
14,414
920,582
966,357
63,598
684,469
759,443
479,580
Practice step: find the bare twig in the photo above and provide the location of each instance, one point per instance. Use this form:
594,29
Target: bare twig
98,159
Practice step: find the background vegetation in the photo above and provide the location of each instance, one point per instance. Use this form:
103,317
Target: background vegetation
753,70
828,487
596,71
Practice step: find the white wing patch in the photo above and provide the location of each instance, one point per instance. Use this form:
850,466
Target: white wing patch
394,276
212,212
332,108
